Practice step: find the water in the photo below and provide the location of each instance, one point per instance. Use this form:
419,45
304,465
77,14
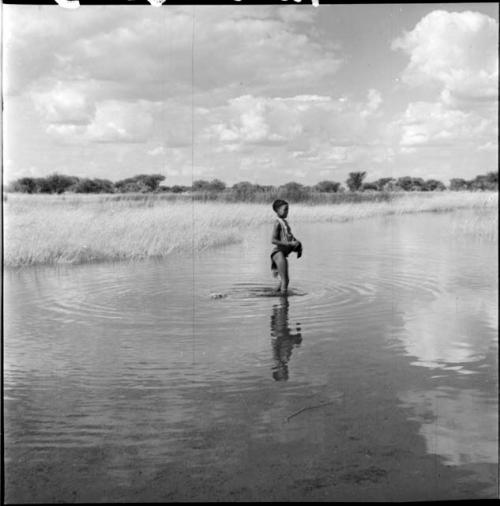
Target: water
189,379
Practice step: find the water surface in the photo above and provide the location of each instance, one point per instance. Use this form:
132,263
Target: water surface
174,379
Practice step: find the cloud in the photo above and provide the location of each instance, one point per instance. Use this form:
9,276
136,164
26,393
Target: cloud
121,122
458,51
263,89
143,53
299,14
427,124
456,55
40,43
302,134
258,120
373,103
489,146
298,121
64,104
90,64
157,151
112,122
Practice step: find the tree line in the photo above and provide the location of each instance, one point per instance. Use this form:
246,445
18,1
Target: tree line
150,183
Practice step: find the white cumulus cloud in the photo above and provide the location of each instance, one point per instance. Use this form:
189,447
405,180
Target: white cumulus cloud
434,124
64,103
458,51
299,120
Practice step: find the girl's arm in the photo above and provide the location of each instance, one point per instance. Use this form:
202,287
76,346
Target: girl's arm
275,238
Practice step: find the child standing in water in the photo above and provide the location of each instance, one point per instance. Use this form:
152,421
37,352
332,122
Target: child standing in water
284,243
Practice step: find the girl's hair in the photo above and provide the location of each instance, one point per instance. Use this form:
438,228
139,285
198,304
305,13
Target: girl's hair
278,203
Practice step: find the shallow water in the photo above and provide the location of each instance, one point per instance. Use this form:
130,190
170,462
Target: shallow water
174,379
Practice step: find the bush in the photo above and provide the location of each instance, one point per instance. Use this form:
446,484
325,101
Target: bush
295,192
411,184
57,183
179,189
93,186
488,181
142,183
24,185
327,187
432,185
244,191
208,186
384,183
458,184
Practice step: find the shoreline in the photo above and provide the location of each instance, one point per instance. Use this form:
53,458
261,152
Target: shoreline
52,230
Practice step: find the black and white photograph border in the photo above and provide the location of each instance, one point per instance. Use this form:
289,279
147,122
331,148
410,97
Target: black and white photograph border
250,251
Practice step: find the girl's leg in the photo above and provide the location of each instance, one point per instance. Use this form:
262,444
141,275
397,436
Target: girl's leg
282,264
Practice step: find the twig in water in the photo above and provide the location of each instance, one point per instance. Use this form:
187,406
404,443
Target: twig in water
287,419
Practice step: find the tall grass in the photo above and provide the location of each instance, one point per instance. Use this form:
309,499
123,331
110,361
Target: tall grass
49,229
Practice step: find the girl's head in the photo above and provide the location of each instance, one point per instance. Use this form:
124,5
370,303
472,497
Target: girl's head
281,208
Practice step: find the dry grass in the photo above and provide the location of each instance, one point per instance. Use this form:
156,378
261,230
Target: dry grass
54,229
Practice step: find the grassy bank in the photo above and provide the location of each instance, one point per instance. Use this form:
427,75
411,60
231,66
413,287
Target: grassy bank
50,229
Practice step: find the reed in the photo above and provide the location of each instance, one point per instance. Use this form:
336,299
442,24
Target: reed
51,229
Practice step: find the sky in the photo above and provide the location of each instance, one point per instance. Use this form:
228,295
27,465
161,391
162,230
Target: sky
266,94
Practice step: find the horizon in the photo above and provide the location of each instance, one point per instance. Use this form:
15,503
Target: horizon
164,182
267,94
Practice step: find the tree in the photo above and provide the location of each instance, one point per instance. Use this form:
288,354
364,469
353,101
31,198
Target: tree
483,182
383,183
369,186
478,183
327,187
151,181
458,184
408,183
178,189
292,191
143,183
104,185
244,190
355,180
58,183
131,186
404,183
43,185
487,181
200,185
87,185
492,180
268,188
417,184
24,185
432,185
216,185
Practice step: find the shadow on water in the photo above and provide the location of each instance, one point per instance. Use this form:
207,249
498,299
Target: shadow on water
284,339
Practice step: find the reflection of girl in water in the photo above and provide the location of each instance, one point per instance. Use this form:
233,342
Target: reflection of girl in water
283,340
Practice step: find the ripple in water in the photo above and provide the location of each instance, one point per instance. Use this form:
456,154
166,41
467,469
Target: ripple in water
131,356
